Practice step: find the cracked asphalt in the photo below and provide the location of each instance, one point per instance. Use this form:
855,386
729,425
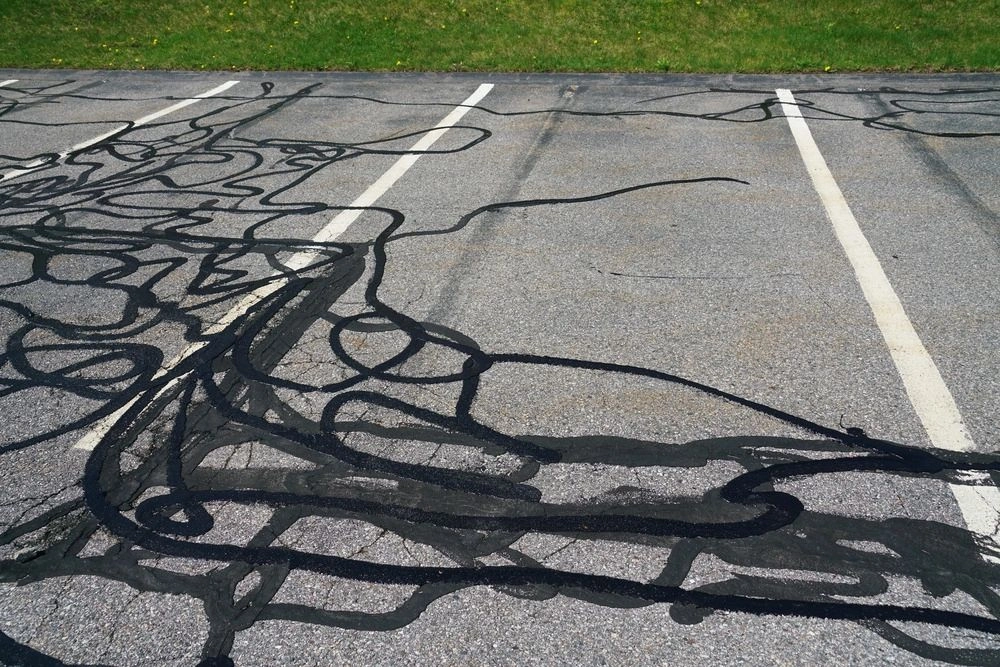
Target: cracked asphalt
507,415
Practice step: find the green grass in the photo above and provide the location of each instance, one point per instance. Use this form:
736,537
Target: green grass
504,35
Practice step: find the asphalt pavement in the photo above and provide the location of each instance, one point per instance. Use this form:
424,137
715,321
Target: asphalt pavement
461,369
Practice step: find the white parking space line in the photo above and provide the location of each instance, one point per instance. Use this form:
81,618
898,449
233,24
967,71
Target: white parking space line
329,233
386,181
4,84
926,389
36,164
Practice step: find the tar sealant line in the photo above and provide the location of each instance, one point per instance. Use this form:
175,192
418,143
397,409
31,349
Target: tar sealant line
343,220
931,399
299,260
139,122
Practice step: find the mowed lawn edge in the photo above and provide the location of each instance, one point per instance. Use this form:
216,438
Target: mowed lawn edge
707,36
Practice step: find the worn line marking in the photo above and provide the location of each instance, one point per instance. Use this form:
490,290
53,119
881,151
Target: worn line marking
929,395
36,164
343,220
330,232
7,82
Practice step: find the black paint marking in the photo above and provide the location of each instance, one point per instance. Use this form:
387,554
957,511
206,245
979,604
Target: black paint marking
150,250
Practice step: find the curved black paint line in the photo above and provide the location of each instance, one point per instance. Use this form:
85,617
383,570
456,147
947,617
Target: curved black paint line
387,236
509,578
494,576
153,510
765,110
409,611
764,107
15,654
364,147
108,342
885,120
331,444
205,140
501,575
955,656
219,551
233,410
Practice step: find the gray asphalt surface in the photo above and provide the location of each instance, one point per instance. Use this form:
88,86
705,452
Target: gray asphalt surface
503,418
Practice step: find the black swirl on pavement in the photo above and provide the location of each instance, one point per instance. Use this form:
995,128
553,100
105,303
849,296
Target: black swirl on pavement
122,230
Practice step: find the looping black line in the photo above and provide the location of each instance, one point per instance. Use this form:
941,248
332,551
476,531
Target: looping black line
384,426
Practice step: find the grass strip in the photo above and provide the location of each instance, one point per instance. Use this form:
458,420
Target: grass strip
504,35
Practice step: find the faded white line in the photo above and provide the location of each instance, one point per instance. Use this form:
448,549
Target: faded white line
386,181
139,122
299,260
929,395
4,84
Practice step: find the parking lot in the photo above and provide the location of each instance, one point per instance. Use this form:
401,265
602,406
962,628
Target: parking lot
499,369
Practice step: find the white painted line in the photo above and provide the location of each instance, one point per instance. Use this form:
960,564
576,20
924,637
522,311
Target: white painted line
980,504
36,164
299,260
184,103
930,397
386,181
8,82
